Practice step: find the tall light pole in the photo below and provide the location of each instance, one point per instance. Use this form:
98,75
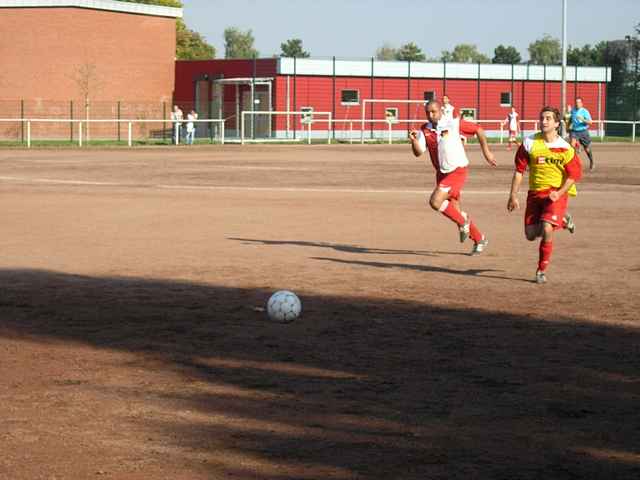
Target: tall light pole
563,105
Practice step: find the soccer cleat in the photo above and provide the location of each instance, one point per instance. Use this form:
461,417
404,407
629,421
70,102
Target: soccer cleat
541,277
568,223
479,247
464,231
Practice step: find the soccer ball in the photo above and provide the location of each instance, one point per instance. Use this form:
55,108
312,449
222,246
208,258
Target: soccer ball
284,306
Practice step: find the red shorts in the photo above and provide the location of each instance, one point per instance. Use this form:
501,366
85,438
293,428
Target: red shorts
541,209
513,134
452,182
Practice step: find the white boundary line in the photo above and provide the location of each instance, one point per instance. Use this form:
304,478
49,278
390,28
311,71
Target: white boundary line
273,189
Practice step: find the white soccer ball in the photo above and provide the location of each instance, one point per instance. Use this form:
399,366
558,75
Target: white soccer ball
284,306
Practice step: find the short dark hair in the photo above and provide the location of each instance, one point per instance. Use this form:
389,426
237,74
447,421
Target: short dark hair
554,110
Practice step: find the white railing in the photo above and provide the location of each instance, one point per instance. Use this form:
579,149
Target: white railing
311,120
130,123
389,133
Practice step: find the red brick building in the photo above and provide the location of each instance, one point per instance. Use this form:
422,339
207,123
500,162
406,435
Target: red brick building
52,49
225,88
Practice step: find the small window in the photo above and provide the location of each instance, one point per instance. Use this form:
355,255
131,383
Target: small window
468,113
307,115
429,95
505,99
350,97
391,114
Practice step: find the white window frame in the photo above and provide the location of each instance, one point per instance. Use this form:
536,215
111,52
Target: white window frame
357,102
510,100
433,96
307,115
463,110
393,118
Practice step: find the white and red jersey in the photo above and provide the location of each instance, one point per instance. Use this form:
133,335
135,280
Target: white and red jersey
447,112
512,120
444,142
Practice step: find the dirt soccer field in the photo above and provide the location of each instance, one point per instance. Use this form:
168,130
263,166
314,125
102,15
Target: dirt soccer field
133,345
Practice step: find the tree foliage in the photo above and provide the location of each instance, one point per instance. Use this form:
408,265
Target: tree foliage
410,51
387,52
464,53
191,45
293,48
162,3
587,55
545,51
238,44
503,54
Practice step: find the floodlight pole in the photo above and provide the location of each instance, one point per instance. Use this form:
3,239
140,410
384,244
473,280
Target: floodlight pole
564,60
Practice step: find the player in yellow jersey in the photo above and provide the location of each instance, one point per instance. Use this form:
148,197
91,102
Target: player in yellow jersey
554,169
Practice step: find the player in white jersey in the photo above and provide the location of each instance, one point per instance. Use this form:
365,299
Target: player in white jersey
447,108
512,123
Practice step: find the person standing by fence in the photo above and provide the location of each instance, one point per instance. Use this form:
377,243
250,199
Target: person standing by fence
177,116
580,123
191,127
512,123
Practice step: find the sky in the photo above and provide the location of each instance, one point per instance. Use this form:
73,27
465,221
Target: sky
356,28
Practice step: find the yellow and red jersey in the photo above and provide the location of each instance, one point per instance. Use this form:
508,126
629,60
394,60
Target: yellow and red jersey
549,163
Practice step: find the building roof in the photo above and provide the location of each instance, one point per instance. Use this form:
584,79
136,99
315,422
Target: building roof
109,5
473,71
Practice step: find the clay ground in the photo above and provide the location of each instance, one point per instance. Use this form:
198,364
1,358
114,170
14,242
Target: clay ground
132,345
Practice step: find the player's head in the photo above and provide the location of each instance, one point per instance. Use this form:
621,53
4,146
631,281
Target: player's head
578,102
445,99
434,111
549,119
513,108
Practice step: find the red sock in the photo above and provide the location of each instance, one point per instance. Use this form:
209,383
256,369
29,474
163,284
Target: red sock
474,233
451,212
545,255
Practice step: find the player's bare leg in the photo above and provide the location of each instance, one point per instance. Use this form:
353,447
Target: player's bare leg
587,149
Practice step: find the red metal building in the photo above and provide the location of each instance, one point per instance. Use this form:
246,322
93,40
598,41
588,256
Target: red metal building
345,88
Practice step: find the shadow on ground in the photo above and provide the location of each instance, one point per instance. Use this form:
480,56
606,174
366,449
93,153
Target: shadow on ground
356,388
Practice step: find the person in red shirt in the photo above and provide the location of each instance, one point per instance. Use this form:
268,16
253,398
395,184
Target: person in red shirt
442,137
554,169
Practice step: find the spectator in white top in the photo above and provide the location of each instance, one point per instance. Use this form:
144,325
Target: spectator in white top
177,117
512,122
191,127
447,109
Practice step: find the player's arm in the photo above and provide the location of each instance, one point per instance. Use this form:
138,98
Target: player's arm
484,145
574,172
521,161
416,138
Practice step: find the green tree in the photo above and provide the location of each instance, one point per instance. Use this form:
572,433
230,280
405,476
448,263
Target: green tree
191,45
293,48
465,53
503,54
545,51
410,51
587,55
238,44
387,52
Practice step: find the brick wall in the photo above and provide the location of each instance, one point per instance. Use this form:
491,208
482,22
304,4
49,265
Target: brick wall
44,50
